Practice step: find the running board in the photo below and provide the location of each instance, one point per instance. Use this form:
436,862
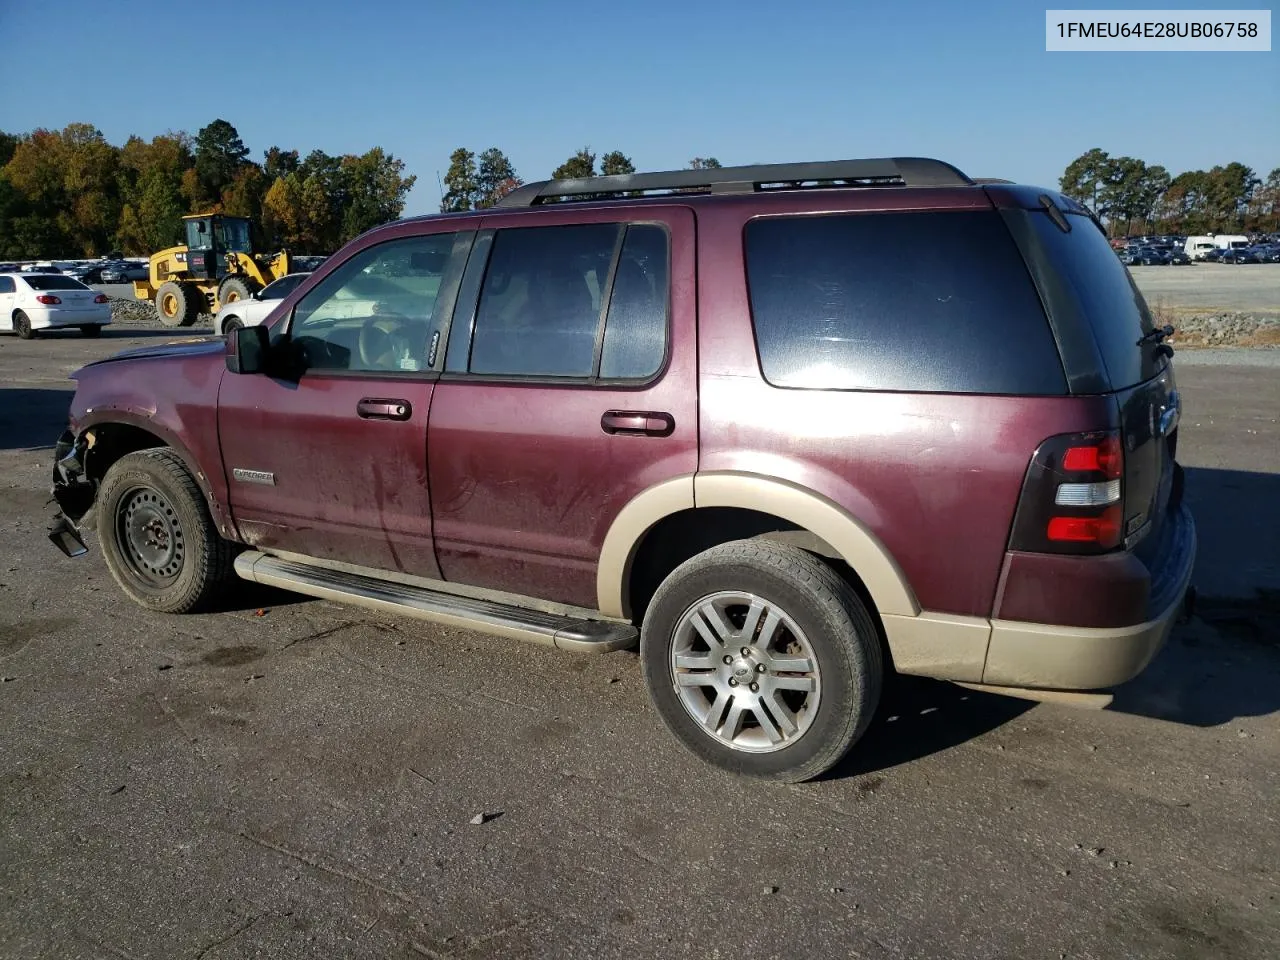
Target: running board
470,613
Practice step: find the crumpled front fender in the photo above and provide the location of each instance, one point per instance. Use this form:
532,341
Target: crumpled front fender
72,491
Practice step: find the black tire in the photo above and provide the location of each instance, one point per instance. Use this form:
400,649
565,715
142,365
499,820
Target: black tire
836,626
91,330
230,324
236,288
178,304
22,326
151,494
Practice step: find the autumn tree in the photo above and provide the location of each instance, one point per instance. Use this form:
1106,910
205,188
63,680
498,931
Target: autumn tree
151,189
375,189
615,163
462,188
279,163
495,179
220,153
1086,177
582,164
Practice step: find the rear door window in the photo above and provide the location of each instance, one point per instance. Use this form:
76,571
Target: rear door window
584,301
1102,294
918,301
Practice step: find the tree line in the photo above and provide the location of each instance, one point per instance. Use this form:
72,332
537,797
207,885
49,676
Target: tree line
70,193
1131,195
473,183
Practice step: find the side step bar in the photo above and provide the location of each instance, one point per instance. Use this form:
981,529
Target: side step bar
504,620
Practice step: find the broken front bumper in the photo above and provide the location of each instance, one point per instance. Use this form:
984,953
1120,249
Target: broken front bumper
72,491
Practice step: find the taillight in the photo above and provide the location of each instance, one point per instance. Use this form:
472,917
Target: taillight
47,298
100,298
1073,496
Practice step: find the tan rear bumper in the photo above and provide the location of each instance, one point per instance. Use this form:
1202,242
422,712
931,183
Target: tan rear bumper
1084,658
1009,653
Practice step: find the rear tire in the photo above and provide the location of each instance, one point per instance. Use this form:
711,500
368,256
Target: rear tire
91,331
157,536
236,288
178,304
762,660
22,326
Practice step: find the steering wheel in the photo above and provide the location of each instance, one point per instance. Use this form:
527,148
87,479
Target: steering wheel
383,341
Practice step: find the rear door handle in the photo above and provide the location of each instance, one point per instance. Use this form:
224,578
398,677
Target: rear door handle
371,408
637,423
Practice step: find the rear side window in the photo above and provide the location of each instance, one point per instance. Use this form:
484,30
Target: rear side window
6,285
584,301
52,281
1103,294
927,302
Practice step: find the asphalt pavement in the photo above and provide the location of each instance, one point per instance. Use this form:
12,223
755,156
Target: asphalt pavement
293,778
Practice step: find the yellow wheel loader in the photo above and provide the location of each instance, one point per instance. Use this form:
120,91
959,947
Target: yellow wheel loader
216,265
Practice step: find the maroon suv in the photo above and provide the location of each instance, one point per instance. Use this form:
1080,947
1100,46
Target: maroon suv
786,426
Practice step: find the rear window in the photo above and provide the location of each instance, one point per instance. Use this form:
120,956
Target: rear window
53,281
928,302
1103,293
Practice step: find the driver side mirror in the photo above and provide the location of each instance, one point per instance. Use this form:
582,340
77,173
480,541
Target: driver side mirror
247,349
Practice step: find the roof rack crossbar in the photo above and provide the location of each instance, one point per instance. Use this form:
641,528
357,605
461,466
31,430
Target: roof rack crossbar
903,171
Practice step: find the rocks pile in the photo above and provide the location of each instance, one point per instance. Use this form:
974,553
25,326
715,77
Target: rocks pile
1226,330
142,313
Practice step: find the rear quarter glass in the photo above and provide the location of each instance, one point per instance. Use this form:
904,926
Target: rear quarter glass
935,301
1093,290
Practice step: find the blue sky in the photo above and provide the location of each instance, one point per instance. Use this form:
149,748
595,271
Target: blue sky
662,81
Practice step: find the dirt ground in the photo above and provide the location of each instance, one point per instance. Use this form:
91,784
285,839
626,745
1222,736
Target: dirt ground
293,778
1212,288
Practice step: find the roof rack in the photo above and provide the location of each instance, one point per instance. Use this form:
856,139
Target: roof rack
889,171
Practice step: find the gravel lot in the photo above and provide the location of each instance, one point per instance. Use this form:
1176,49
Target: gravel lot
1213,287
301,783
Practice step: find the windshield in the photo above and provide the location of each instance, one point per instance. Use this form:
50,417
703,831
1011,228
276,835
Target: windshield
53,281
282,287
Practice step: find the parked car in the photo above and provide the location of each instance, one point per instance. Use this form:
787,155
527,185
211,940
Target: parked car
31,302
1144,256
1177,257
1239,255
124,272
243,313
1212,256
1267,253
759,432
87,272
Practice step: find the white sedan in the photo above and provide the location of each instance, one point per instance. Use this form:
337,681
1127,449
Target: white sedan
30,302
251,312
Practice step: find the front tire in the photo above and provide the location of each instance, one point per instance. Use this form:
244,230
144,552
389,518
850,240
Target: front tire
762,660
157,536
22,326
231,325
178,304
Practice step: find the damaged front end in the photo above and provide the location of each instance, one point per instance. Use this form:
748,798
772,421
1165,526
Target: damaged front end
73,491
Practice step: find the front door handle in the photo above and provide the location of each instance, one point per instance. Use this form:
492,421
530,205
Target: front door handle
371,408
637,423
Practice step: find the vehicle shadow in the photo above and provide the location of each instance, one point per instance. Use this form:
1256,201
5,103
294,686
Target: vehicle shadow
1222,665
919,717
130,333
1225,663
32,417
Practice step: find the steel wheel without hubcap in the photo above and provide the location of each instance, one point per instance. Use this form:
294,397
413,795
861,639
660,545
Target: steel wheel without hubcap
150,536
745,671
